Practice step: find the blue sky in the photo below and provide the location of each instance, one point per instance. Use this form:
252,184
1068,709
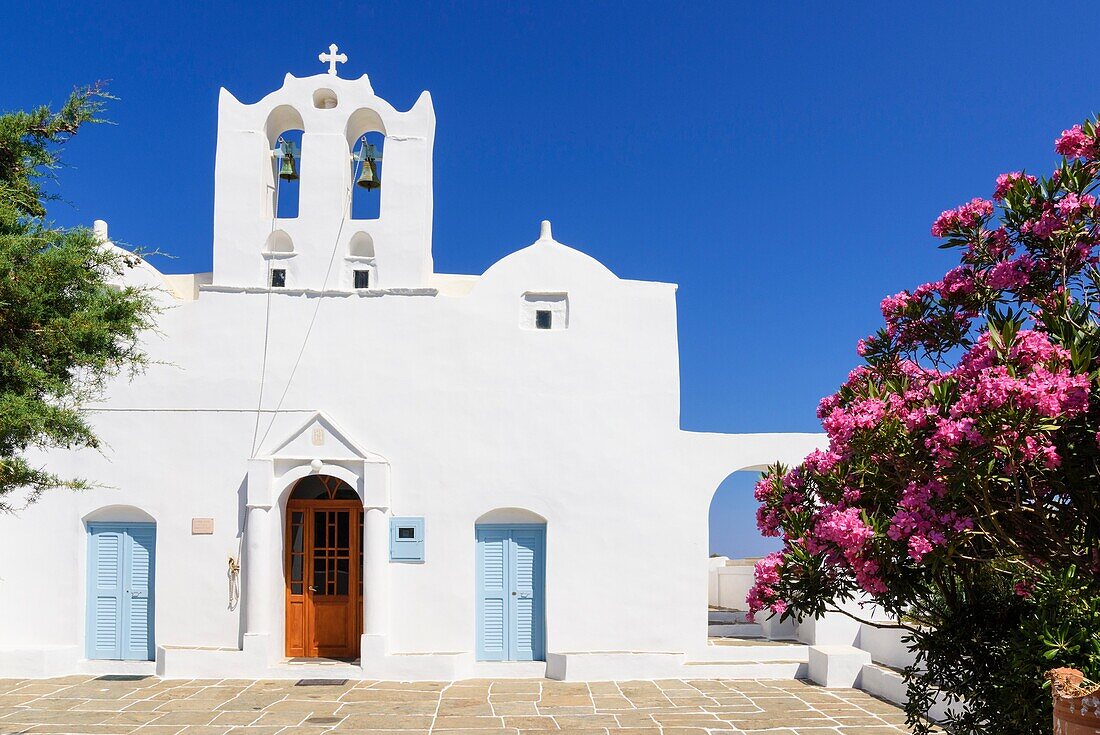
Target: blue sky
781,162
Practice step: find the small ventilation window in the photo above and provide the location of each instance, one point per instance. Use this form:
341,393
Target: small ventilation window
362,279
278,277
545,311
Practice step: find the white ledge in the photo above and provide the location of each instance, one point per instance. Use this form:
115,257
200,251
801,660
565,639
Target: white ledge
276,254
323,292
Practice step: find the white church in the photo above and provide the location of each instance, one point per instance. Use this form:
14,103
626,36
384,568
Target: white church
343,463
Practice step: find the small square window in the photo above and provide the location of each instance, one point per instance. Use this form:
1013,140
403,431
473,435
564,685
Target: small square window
362,279
543,319
406,532
278,277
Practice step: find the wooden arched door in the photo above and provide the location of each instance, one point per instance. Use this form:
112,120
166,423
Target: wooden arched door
323,569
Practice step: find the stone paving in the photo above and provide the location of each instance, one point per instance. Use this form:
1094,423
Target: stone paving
151,706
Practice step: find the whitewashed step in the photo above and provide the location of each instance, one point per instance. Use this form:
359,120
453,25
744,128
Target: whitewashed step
750,652
735,630
884,683
746,669
727,616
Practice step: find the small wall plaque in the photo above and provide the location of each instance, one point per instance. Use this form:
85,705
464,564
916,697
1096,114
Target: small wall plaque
318,436
202,526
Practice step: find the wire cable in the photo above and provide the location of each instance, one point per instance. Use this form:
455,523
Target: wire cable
320,298
267,314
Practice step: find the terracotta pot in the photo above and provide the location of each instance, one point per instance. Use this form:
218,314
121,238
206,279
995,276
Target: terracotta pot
1076,708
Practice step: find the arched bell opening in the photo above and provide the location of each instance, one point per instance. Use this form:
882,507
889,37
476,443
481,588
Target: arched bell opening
366,136
366,176
323,569
284,129
286,164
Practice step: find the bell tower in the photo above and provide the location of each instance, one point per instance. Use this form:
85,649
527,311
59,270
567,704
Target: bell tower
323,247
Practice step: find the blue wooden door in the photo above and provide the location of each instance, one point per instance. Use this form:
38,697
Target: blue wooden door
121,566
510,592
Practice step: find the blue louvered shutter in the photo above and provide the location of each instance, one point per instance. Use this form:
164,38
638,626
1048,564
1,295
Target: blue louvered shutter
492,589
138,633
107,549
526,561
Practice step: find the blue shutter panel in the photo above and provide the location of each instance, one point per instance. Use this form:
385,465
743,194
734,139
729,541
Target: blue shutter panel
105,572
492,601
527,557
138,643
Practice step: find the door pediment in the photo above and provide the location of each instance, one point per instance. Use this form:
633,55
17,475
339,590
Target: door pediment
320,437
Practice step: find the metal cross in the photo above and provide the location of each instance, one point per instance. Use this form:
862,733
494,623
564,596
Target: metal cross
332,58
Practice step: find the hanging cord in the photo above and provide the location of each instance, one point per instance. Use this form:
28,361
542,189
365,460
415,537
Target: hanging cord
267,309
234,574
320,298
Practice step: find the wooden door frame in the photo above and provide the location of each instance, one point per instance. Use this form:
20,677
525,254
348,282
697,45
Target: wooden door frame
355,595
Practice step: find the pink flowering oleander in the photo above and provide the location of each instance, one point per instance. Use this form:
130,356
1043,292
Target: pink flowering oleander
970,214
966,410
762,594
998,243
1010,274
1071,205
1048,223
1034,374
1005,183
1074,143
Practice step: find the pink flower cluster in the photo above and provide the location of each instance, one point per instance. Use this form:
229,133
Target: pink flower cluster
1071,204
762,595
917,521
971,214
1005,182
843,536
1049,222
1074,143
1010,275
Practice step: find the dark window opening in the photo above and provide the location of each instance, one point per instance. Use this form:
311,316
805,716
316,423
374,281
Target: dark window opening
406,532
543,319
362,279
278,277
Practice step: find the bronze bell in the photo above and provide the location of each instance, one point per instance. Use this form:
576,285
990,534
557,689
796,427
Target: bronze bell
368,157
289,169
368,177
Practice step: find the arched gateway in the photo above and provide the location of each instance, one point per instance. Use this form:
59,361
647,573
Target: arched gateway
323,563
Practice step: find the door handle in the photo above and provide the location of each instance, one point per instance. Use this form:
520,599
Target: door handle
312,588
